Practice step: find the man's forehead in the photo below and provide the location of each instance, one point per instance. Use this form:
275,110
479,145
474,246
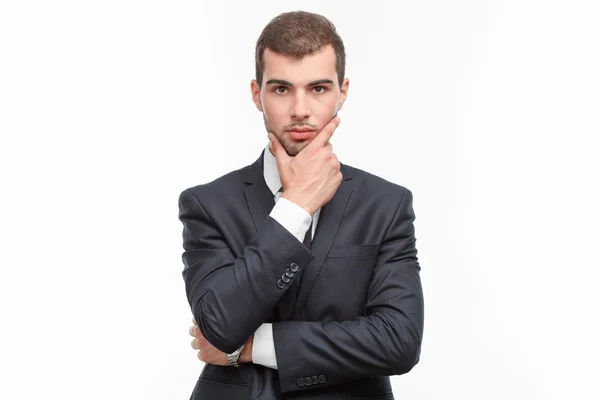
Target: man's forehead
319,65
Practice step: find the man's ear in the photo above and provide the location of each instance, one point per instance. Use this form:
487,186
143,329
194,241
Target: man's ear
255,89
343,92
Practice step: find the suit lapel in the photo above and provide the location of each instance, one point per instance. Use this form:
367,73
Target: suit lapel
327,227
258,195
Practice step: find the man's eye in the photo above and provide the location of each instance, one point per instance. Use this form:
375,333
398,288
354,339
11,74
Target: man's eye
280,89
319,89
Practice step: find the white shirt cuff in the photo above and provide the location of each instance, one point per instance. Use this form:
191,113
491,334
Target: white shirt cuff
263,347
292,217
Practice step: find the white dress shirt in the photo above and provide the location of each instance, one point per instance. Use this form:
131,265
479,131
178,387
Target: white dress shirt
297,221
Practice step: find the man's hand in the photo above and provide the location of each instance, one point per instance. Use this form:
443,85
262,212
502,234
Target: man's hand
211,355
311,178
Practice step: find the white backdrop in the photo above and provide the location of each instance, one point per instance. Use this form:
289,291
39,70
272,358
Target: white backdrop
487,110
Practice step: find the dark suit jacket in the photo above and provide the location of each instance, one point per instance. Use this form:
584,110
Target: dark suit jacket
355,316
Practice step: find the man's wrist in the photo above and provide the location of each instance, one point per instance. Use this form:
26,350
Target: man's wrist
246,356
298,201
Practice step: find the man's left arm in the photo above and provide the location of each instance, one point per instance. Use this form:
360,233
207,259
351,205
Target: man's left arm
386,341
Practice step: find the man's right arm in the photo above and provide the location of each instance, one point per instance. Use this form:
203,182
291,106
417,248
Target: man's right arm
231,297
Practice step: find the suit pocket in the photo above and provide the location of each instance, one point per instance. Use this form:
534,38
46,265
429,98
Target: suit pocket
379,396
350,251
208,389
219,381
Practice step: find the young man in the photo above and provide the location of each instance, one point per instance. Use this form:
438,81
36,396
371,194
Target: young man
301,272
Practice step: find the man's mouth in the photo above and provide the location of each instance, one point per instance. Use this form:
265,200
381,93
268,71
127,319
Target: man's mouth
301,133
301,130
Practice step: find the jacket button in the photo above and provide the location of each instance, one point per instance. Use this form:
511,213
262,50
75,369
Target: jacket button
280,284
314,380
308,381
322,378
300,382
289,273
285,278
294,267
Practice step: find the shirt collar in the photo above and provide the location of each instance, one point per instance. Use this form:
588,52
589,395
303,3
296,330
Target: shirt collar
270,171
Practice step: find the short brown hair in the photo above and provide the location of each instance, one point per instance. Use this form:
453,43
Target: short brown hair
297,34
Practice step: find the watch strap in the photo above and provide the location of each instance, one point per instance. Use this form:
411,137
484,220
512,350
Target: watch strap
234,357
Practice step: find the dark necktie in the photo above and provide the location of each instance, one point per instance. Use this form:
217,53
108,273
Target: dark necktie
308,237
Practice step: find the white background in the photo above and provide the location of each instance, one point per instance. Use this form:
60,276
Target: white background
487,110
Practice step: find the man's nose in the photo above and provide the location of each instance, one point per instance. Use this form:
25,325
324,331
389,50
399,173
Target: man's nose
300,107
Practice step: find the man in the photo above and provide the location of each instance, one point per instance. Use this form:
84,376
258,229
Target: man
301,272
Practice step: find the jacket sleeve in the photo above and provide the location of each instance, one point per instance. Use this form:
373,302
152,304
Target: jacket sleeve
231,297
385,341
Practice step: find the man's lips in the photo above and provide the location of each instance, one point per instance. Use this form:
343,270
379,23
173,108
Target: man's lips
301,130
300,133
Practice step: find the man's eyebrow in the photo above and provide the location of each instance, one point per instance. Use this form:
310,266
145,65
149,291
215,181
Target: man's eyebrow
286,83
321,82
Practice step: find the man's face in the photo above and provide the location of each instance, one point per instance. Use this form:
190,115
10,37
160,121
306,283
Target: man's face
299,97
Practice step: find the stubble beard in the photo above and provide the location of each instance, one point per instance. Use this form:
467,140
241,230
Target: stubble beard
292,147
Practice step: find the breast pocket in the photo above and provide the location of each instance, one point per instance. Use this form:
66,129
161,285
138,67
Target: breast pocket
355,250
341,291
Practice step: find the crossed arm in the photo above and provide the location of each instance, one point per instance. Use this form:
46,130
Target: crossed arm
231,297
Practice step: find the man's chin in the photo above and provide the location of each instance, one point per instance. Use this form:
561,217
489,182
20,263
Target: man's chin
294,147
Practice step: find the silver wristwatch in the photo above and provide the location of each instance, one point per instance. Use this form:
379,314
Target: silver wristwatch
234,357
